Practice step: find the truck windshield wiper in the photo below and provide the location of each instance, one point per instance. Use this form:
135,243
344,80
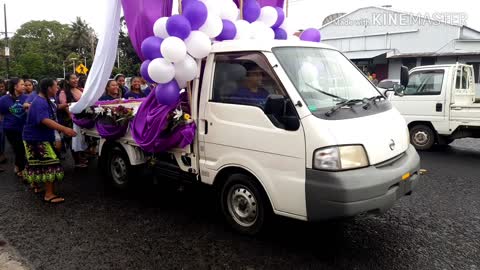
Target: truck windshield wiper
326,93
342,104
371,100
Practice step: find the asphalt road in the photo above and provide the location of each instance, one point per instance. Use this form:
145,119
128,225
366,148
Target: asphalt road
157,226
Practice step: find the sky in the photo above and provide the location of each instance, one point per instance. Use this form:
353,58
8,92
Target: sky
302,13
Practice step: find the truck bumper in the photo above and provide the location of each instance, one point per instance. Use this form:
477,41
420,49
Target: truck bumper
372,189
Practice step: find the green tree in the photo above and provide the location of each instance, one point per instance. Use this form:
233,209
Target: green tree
44,40
129,61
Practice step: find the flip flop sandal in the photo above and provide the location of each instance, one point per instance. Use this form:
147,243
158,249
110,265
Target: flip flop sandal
53,198
81,165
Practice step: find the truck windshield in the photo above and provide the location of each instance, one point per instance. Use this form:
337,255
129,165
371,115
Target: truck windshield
324,77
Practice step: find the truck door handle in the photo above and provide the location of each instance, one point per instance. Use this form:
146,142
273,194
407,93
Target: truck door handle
439,107
206,127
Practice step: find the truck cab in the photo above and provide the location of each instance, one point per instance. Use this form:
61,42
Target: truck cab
439,104
291,128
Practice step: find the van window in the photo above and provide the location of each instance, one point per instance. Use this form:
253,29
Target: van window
425,83
245,79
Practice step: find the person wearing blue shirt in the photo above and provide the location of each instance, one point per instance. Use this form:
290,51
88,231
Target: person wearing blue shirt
3,159
120,79
14,115
43,164
112,91
252,93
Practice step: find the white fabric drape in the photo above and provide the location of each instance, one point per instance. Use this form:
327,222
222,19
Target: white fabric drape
105,56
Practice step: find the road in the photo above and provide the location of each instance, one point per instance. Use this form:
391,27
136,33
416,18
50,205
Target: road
159,226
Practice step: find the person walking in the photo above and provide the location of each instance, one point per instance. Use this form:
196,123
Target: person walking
43,164
71,93
14,115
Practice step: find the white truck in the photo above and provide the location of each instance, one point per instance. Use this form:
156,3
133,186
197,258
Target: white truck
439,104
327,147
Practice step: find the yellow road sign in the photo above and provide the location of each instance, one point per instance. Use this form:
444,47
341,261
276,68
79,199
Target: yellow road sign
81,69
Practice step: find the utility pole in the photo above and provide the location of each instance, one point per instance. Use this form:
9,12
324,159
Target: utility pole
7,49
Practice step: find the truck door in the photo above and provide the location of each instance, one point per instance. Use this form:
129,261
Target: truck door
235,130
424,98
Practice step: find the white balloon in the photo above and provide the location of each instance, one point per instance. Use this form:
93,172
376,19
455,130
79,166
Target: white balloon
229,11
161,70
244,30
213,26
198,44
268,15
160,28
213,6
186,70
269,33
261,32
173,49
182,84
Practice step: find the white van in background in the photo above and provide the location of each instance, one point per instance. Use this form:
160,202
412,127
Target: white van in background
439,104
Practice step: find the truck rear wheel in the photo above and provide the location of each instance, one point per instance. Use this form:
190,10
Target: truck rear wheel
119,168
244,204
422,137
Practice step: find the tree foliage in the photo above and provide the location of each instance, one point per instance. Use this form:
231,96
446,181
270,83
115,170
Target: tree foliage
46,48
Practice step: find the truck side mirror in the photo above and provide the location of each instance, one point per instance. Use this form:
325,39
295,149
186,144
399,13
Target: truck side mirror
404,76
277,108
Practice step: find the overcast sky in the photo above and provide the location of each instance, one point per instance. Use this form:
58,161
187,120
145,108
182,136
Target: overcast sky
302,13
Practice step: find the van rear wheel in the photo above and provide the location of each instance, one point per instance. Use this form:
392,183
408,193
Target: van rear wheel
119,168
244,204
422,137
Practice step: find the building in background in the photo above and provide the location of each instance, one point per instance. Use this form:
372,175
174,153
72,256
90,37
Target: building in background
381,40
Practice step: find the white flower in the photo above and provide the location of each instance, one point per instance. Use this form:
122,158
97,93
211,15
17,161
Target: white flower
109,112
88,110
178,114
99,110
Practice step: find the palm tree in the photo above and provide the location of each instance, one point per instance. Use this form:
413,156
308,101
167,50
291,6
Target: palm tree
82,38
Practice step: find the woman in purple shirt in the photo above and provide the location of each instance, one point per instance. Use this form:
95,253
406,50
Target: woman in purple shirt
135,89
11,108
43,164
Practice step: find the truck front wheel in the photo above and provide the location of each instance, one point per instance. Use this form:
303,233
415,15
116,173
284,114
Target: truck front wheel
422,137
244,204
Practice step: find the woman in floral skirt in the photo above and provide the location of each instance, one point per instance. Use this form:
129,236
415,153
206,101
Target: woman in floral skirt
43,165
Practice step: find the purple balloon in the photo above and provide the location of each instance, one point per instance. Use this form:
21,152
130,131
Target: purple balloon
280,34
178,26
281,17
251,10
196,13
229,31
185,3
144,71
311,34
167,93
151,48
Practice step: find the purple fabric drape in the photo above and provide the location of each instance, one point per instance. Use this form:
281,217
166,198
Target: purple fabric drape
83,122
109,131
140,16
273,3
149,124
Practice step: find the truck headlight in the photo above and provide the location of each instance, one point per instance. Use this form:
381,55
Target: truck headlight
338,158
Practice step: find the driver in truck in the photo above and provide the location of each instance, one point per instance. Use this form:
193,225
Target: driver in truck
252,91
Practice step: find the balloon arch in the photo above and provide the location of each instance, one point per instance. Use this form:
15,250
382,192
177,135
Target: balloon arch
171,45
